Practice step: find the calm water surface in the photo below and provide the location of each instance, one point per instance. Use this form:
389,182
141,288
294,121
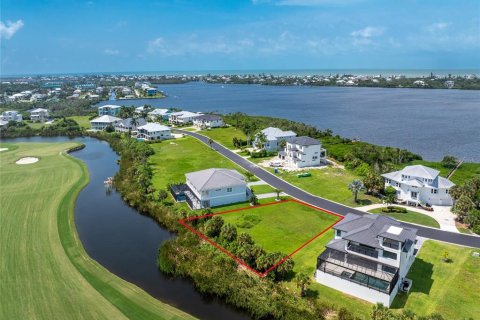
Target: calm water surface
428,122
124,241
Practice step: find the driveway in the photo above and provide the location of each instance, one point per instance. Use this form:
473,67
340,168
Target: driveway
270,178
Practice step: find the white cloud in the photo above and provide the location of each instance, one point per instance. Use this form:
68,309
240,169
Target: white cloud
111,52
438,26
8,29
368,32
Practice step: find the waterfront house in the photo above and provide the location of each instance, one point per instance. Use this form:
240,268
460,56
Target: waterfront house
39,115
151,91
154,131
273,137
211,188
368,258
109,110
102,122
3,124
208,121
303,152
182,117
419,184
11,115
128,125
159,113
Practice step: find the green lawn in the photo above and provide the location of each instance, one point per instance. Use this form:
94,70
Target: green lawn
224,136
282,226
45,272
410,216
262,188
36,125
174,158
450,289
329,183
83,121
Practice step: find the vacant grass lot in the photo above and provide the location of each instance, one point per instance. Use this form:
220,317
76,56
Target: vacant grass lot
224,136
450,289
262,188
283,226
174,158
329,183
45,272
410,216
83,121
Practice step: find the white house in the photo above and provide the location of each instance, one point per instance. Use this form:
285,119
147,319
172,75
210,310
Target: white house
303,152
273,137
420,185
182,117
100,123
39,115
215,187
154,131
128,125
208,121
3,124
368,258
156,113
109,110
11,115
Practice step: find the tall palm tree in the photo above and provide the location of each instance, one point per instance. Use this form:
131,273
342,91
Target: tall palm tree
356,186
277,191
303,281
261,139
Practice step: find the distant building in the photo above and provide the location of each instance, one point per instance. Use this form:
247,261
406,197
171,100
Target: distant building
182,117
39,115
208,121
3,124
109,109
369,257
154,131
449,84
102,122
11,115
303,152
273,137
128,125
151,91
420,185
163,113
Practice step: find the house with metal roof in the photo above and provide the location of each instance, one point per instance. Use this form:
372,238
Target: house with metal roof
39,115
419,184
128,125
212,188
182,117
154,131
208,121
109,110
303,152
273,137
101,123
369,258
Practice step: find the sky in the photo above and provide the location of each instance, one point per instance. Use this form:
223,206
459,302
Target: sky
63,36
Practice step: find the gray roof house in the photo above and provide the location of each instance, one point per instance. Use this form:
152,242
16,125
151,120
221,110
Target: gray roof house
212,187
208,121
126,125
273,137
368,258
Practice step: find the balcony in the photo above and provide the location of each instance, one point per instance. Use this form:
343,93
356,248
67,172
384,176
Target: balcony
366,251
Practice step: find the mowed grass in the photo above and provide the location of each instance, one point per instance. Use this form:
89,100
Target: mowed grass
225,135
83,121
410,216
451,289
174,158
262,189
329,183
45,272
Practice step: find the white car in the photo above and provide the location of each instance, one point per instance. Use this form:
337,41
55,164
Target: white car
276,164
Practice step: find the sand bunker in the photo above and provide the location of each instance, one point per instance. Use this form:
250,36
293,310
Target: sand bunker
3,149
27,160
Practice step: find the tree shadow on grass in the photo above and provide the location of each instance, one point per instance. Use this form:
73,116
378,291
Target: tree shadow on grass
364,202
421,276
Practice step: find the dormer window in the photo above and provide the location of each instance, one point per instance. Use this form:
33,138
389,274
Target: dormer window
339,233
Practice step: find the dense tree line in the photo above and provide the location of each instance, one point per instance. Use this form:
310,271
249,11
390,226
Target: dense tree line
61,127
467,203
57,107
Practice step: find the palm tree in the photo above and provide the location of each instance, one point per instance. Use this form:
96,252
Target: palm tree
356,186
302,281
277,191
261,139
210,142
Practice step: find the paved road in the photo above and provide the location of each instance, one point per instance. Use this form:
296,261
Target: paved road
436,234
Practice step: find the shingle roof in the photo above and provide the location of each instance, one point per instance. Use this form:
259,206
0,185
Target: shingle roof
365,229
303,141
337,244
215,178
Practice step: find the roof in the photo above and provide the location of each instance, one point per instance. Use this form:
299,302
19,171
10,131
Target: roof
111,106
418,172
215,178
185,114
367,228
337,244
3,123
274,133
38,110
208,117
106,119
153,127
128,122
304,141
444,183
158,111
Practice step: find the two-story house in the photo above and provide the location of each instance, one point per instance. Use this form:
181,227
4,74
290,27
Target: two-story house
208,121
109,110
419,184
128,125
303,152
368,258
154,131
11,115
102,122
182,117
273,136
39,115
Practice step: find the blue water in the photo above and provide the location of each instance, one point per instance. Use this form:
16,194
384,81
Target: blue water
429,122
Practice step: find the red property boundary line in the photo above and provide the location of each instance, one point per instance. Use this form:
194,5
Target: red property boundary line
185,221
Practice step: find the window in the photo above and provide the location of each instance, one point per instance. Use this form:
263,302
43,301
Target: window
390,243
229,189
434,191
339,233
389,255
314,158
414,195
397,184
446,191
389,269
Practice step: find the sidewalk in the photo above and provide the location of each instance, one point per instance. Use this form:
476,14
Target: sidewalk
441,214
